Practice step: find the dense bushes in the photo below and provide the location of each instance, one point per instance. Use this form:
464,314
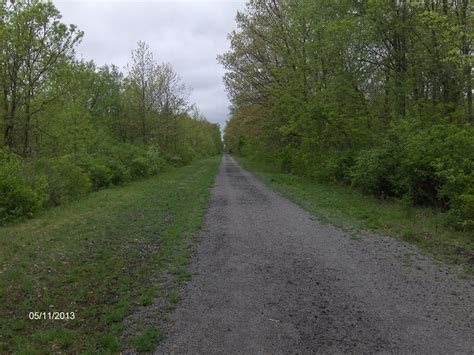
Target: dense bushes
131,162
434,167
66,181
378,96
423,165
373,172
18,195
28,186
98,171
78,127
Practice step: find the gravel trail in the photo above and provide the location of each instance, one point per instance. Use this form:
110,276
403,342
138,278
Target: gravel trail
269,278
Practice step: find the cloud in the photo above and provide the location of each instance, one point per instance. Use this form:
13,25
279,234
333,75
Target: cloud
188,34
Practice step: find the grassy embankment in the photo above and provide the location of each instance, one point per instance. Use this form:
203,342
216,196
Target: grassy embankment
101,257
350,209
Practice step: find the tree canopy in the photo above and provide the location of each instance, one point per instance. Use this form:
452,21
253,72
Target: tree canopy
377,94
69,126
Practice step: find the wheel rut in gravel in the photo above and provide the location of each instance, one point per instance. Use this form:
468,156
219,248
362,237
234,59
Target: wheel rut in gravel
270,278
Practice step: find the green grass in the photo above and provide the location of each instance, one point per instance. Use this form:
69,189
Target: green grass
350,209
98,257
147,341
172,300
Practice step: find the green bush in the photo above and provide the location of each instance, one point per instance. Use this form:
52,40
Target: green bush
135,161
419,181
125,152
461,213
438,164
175,160
139,168
455,170
373,172
339,168
119,173
434,166
184,155
119,158
17,196
284,159
99,173
155,160
65,180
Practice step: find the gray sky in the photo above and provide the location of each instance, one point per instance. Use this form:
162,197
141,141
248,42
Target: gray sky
189,34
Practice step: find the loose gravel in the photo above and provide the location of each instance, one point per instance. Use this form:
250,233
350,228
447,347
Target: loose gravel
270,278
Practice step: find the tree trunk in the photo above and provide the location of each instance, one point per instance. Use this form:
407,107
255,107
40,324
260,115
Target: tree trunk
26,130
466,51
10,124
143,114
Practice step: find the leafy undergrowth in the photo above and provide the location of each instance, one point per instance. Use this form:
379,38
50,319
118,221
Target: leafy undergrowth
349,208
96,257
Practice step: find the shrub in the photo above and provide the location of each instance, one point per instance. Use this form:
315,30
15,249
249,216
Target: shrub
438,164
155,160
65,180
454,168
339,168
419,181
99,173
184,155
434,166
462,211
17,196
174,160
119,173
138,167
136,162
125,152
284,159
374,170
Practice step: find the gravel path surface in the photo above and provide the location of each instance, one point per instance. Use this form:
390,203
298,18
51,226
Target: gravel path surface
270,278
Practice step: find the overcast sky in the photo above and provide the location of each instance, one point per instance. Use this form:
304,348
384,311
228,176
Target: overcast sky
189,34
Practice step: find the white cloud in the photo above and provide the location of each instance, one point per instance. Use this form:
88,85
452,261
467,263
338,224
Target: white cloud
188,34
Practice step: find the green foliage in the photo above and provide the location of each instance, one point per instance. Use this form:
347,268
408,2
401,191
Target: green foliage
98,255
65,180
17,196
339,168
139,167
98,171
147,296
375,94
118,172
454,170
419,178
154,160
137,162
373,172
148,340
76,127
356,211
435,166
70,127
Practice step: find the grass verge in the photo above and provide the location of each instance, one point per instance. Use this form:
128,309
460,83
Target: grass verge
96,257
349,208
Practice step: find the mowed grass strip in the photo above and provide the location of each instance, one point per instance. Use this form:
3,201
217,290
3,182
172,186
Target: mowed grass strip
96,257
351,209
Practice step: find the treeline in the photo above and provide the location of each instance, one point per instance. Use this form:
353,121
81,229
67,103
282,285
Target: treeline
69,126
375,94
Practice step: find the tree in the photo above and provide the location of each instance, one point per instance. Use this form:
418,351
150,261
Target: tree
343,90
35,44
143,82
